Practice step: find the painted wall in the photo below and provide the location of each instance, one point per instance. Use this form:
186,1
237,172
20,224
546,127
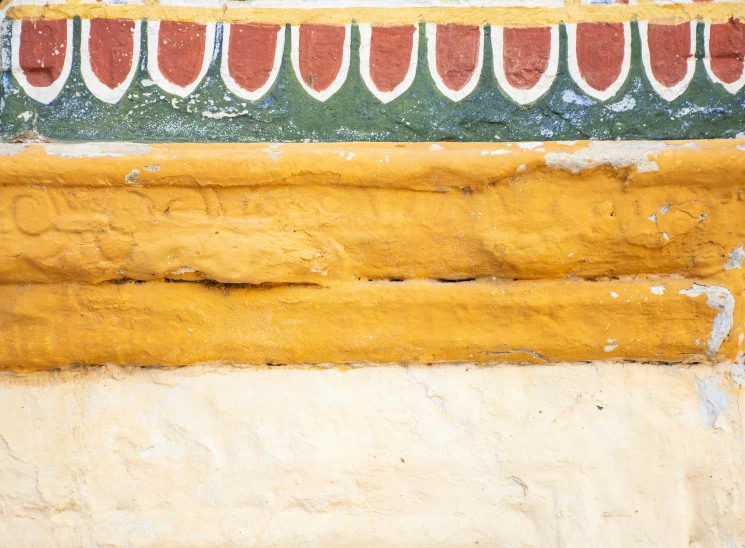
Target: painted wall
546,456
188,187
344,71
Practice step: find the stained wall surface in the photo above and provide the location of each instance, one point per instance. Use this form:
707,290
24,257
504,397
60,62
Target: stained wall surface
568,455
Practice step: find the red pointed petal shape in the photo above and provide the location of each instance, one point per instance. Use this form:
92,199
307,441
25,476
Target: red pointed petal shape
669,51
458,48
727,50
320,53
600,52
111,47
525,55
252,51
42,50
181,51
390,55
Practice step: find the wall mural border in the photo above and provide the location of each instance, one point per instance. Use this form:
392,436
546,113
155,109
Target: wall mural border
173,71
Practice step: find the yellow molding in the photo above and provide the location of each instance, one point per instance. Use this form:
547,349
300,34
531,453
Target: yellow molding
307,214
46,326
507,16
414,166
311,224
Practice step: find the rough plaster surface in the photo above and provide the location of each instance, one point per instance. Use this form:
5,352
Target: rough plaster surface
567,455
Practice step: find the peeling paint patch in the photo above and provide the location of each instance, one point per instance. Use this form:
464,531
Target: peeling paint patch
712,400
738,374
718,298
736,257
435,146
658,289
274,152
96,150
615,154
9,149
132,176
568,96
531,145
610,347
152,168
624,105
184,270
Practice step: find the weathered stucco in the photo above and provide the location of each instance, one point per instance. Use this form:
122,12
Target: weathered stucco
326,253
569,455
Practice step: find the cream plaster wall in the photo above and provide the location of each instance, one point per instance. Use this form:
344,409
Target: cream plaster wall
568,455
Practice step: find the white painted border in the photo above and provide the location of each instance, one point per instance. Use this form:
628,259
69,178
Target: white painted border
432,62
525,96
98,88
576,74
230,82
153,30
44,95
673,92
343,70
733,87
386,96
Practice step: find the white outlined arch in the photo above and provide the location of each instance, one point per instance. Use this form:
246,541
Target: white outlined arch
732,87
525,96
341,76
386,96
671,92
230,82
96,87
47,94
153,32
601,95
432,63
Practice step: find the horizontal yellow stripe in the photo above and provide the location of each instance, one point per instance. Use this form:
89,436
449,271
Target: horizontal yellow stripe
159,323
507,16
333,213
414,166
311,224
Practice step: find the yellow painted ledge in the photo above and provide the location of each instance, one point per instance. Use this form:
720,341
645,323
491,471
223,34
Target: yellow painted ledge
413,166
337,213
582,251
161,323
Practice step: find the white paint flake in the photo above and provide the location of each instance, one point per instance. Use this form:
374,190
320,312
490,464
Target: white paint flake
10,149
96,150
712,400
718,298
658,289
624,105
274,152
736,257
738,374
639,154
568,96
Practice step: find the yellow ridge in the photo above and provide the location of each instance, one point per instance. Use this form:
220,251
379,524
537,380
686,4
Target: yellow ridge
507,16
